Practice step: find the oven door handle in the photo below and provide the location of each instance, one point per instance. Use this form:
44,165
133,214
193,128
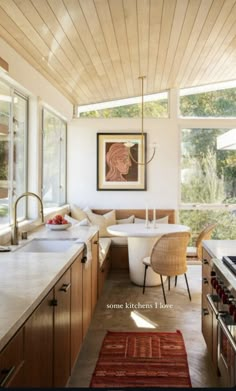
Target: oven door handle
227,333
212,305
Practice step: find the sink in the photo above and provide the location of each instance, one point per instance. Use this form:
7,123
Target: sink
47,246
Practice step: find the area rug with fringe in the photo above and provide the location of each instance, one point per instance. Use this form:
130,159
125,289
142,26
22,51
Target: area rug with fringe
142,359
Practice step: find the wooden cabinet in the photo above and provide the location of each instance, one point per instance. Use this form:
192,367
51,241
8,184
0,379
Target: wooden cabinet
38,338
76,333
94,281
209,323
61,367
207,317
45,349
12,363
87,295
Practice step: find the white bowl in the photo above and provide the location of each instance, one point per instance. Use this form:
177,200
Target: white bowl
58,227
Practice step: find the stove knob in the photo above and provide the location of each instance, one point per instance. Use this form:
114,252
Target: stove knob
225,298
219,289
232,308
213,281
234,315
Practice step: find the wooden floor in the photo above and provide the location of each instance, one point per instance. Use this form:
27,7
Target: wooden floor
123,307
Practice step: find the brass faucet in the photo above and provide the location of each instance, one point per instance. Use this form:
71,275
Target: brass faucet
14,233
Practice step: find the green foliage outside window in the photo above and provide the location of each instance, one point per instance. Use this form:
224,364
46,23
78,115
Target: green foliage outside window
154,109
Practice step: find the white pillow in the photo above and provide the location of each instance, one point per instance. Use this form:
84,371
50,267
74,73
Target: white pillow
162,220
71,220
128,220
77,213
77,222
103,221
139,221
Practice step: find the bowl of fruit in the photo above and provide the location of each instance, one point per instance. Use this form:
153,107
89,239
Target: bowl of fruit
58,223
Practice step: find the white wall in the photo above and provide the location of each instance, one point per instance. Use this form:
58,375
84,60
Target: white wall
162,172
26,76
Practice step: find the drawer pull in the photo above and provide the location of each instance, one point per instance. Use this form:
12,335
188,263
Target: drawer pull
84,259
205,311
53,302
205,280
65,287
95,242
205,262
6,373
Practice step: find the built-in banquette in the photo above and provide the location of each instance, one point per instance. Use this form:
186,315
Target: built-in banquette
114,250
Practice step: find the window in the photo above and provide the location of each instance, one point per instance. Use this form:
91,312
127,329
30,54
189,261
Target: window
155,106
217,103
208,180
13,151
54,160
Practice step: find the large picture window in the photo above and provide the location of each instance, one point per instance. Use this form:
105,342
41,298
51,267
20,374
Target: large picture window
208,180
13,151
54,159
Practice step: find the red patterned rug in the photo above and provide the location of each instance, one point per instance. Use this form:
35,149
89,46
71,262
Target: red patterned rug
142,359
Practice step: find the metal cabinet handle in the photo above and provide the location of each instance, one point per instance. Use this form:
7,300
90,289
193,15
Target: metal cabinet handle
65,287
205,262
53,302
84,259
205,280
6,373
95,242
205,311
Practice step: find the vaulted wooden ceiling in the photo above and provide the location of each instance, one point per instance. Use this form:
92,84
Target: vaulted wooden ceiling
94,50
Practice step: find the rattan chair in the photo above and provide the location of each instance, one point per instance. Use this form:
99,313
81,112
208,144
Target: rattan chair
195,253
168,258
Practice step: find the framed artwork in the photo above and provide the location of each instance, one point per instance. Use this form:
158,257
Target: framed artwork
116,156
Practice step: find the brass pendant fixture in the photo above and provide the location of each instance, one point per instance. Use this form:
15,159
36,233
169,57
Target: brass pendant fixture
143,161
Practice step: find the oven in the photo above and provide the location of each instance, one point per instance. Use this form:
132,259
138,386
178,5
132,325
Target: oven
222,303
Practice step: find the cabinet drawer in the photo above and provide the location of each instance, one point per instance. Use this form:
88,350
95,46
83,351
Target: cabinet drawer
12,361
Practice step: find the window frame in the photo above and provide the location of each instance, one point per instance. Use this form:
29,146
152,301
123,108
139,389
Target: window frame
49,110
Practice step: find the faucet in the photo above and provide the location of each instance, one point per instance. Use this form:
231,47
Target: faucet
14,233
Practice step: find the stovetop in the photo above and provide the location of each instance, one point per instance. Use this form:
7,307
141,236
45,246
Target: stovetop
230,262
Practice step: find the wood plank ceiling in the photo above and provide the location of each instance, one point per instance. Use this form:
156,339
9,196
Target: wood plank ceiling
94,50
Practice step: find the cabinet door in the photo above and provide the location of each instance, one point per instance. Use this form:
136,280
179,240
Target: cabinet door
12,363
94,271
62,331
39,345
87,295
76,309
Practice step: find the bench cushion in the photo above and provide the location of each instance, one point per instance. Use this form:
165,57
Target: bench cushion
104,246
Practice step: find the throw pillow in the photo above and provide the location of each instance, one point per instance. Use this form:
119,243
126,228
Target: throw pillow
102,221
77,213
162,220
128,220
75,221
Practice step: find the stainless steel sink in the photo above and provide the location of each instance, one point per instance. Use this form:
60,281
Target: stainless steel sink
46,246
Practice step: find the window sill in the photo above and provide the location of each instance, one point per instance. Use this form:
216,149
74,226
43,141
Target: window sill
32,224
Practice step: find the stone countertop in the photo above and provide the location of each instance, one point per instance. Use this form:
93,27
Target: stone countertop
217,249
26,278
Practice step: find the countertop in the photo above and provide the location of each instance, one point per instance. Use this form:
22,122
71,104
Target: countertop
217,249
26,278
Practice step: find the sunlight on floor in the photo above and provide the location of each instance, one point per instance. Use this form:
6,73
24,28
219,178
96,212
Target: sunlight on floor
142,321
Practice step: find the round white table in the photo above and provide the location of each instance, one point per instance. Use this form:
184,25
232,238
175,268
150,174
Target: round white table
140,242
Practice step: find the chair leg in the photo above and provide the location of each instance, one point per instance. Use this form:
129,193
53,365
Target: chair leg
163,290
176,280
169,283
187,286
144,280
